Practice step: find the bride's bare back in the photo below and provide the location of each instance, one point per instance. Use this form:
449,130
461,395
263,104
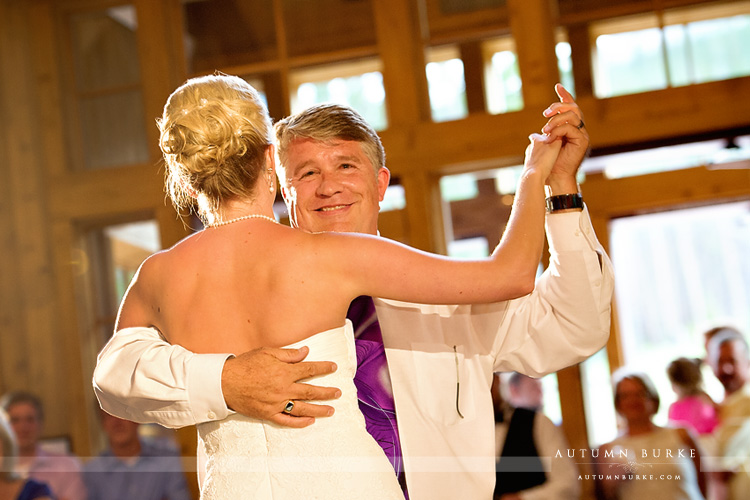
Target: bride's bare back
252,277
251,283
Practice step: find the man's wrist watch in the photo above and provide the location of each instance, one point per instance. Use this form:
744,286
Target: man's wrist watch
564,202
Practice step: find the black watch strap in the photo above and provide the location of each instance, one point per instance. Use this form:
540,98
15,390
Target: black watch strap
564,202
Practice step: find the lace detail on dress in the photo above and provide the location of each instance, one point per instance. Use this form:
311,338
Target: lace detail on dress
335,458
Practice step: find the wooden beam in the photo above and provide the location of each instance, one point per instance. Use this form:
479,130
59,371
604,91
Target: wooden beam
401,49
580,47
474,63
617,121
533,29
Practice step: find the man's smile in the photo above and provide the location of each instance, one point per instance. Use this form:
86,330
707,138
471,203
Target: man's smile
332,208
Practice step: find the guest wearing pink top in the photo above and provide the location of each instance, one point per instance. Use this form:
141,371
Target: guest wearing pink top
694,408
61,472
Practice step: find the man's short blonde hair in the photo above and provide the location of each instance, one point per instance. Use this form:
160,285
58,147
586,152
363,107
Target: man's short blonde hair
327,123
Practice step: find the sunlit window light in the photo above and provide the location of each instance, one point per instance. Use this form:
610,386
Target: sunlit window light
394,199
356,84
469,248
713,152
565,65
458,187
446,84
502,76
258,85
674,48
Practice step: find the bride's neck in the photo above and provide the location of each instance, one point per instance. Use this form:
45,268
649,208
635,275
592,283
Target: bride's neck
239,208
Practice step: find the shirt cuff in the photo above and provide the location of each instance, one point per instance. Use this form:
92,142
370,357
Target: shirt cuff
570,231
204,392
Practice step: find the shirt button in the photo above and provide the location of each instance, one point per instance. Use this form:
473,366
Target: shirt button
211,415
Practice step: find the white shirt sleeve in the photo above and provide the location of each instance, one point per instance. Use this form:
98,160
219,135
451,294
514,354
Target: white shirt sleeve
567,316
141,377
562,478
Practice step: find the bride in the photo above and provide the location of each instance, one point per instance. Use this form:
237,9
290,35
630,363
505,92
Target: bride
290,288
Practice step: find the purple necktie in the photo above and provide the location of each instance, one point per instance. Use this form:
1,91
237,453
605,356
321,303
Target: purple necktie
373,382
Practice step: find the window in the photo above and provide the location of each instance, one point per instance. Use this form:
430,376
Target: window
110,257
678,274
714,152
446,84
674,48
476,207
502,76
598,399
355,84
565,65
109,102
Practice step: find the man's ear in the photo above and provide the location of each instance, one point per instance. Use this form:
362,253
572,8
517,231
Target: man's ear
383,179
284,194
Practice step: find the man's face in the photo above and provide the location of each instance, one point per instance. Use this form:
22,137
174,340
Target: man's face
120,432
27,426
633,401
333,186
528,394
730,365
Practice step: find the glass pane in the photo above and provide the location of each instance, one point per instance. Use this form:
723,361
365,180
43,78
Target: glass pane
716,152
565,66
316,26
447,88
629,63
220,33
114,254
258,84
111,125
113,130
343,84
679,273
394,199
719,48
504,83
598,399
105,48
476,207
679,60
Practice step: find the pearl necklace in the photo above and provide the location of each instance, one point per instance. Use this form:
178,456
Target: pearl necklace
244,217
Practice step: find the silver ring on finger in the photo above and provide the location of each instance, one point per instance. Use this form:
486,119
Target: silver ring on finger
581,125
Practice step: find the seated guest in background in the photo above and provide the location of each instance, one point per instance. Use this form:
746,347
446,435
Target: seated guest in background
524,436
61,472
728,357
133,467
694,408
647,461
12,487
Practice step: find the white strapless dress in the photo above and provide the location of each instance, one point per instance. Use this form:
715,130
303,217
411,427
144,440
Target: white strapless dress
335,458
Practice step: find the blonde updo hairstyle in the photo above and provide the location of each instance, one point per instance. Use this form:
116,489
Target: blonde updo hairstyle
215,131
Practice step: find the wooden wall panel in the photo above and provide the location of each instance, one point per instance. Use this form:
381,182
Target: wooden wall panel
43,359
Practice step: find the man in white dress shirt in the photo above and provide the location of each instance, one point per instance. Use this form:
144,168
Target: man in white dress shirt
440,359
729,358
